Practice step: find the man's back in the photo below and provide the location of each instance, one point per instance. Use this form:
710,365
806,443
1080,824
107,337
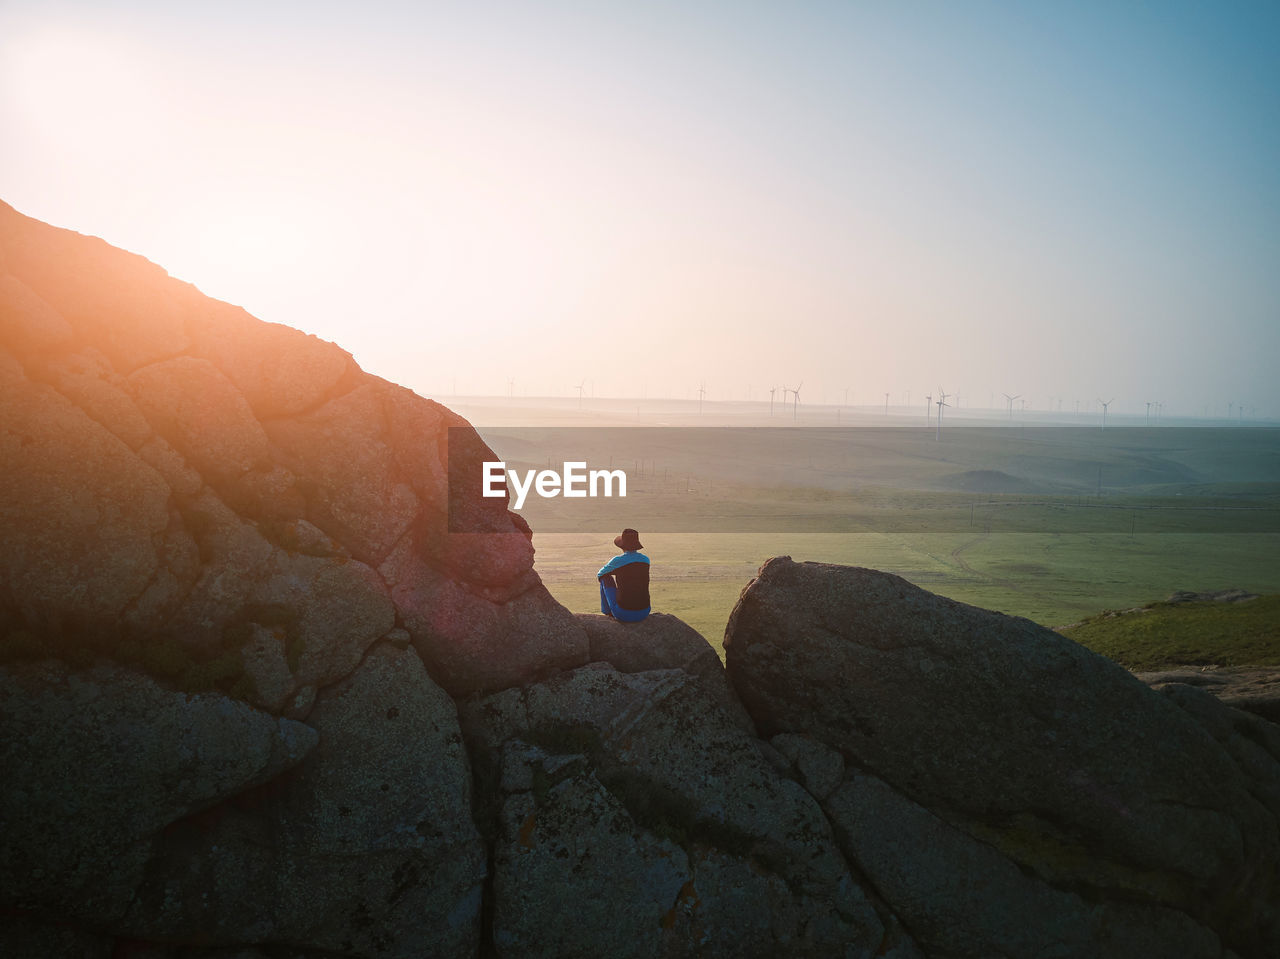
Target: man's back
624,581
633,585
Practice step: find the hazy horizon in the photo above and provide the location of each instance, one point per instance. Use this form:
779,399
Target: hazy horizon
1064,203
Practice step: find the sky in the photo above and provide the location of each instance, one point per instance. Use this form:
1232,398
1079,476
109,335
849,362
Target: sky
1066,201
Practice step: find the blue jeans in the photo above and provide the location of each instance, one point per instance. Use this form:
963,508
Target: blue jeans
609,606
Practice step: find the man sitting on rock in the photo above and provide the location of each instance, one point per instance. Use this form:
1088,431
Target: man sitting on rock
624,581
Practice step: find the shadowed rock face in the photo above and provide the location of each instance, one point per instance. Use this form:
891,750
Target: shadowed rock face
1053,779
99,761
366,848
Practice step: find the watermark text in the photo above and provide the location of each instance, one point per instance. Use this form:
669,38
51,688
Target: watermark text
575,481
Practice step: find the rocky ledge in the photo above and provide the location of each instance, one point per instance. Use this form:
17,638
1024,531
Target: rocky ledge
1253,689
257,702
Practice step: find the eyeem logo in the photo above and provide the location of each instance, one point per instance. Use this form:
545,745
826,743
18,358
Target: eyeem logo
576,481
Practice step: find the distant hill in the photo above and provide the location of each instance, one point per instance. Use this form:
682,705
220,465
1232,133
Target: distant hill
987,481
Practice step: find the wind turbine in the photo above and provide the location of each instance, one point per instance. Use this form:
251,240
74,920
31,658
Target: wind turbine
581,386
928,411
1148,413
1105,405
772,390
511,385
1011,399
886,404
795,408
701,393
942,401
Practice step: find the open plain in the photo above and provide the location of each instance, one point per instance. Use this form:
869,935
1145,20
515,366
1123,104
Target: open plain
1048,517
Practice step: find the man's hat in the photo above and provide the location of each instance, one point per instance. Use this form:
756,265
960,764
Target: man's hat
629,539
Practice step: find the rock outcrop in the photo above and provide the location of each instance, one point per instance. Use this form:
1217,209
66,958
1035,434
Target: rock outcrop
1005,790
184,481
1254,690
227,560
273,685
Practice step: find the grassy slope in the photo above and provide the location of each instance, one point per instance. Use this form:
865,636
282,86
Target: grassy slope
1202,634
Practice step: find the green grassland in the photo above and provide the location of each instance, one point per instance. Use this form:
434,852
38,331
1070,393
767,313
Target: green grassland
1056,526
1054,579
1199,634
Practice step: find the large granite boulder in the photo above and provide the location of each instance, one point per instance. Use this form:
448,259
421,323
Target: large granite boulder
179,476
641,800
1033,763
210,523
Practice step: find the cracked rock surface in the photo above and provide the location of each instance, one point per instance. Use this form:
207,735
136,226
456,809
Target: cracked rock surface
647,778
1042,770
210,523
178,472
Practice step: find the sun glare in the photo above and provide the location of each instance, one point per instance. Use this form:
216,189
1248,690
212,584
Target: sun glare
77,85
231,249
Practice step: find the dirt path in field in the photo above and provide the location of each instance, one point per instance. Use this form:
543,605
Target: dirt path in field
960,561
